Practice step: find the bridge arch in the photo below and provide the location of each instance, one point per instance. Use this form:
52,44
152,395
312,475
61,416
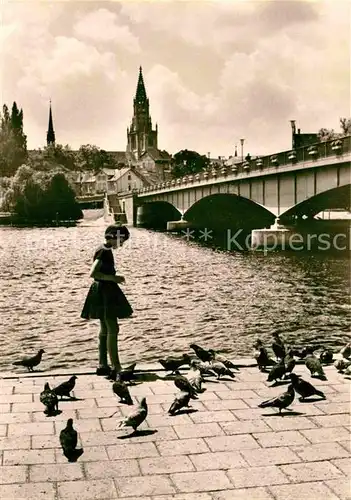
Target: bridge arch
338,197
156,214
228,210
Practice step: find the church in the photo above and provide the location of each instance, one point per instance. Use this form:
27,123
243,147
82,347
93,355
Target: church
142,161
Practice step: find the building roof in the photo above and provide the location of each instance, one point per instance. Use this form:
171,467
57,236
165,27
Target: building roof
157,154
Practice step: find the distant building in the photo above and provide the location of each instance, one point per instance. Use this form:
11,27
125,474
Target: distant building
300,140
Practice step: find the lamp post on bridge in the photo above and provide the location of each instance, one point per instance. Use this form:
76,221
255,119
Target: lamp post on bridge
242,149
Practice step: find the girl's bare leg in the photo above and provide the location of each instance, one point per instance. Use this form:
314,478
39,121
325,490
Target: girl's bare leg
112,342
103,344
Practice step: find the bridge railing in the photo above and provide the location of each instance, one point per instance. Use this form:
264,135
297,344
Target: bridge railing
314,152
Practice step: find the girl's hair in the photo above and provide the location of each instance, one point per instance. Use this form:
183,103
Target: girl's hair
113,232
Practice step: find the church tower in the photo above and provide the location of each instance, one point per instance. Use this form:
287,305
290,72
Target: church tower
50,135
140,135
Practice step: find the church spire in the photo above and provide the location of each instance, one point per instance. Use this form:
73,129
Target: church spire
140,95
50,136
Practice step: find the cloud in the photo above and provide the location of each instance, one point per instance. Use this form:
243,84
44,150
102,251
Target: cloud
103,25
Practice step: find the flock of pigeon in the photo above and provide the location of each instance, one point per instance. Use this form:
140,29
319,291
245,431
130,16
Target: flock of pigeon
207,363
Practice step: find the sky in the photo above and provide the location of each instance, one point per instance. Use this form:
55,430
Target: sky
215,72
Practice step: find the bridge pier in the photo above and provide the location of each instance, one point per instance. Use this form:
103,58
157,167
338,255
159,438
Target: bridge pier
178,225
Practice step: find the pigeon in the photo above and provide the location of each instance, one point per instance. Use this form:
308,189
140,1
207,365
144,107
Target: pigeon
261,356
278,347
180,401
204,368
341,364
326,356
289,361
65,388
346,351
68,440
221,370
184,385
315,367
277,372
202,354
136,418
173,363
49,399
121,390
304,388
348,371
127,373
195,378
282,401
30,362
222,359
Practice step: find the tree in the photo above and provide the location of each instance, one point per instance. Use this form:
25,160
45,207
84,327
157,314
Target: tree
92,158
187,162
41,197
13,142
325,134
53,157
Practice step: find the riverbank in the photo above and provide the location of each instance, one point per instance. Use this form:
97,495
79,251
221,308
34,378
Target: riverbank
225,448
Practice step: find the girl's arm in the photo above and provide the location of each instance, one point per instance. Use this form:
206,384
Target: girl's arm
97,275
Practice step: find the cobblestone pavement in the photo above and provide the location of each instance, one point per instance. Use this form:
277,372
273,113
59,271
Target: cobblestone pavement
228,449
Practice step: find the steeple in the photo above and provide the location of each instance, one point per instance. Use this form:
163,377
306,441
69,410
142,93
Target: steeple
140,95
50,136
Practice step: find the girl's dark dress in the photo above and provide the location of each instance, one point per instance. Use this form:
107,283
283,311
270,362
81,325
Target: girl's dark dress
105,299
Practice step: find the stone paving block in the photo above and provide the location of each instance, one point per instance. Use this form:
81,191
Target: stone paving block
40,416
339,397
27,389
228,443
110,402
198,430
88,413
3,430
29,429
228,394
15,398
320,451
13,474
41,442
109,424
326,434
270,456
311,471
245,427
153,409
243,386
144,485
157,398
28,491
244,494
201,481
114,468
5,408
15,443
87,490
212,416
139,450
182,447
342,419
307,409
341,487
218,460
193,405
343,464
165,465
346,445
84,425
27,407
256,476
91,454
333,408
14,418
160,434
6,389
282,438
252,413
227,404
168,420
345,387
56,472
290,422
163,387
97,394
209,396
100,438
183,496
142,390
303,491
19,457
75,405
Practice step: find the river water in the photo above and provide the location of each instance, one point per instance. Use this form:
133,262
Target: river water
180,292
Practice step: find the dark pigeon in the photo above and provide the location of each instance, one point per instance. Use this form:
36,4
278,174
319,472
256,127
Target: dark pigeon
195,378
127,374
65,388
346,351
262,357
137,417
30,362
315,367
181,401
277,372
304,388
222,359
204,368
49,400
121,390
184,385
289,361
173,363
221,370
326,356
278,347
282,401
68,440
203,354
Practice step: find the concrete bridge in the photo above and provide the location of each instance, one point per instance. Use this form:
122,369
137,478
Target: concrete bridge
290,185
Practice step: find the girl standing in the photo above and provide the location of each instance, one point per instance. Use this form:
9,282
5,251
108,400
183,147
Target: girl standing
106,301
